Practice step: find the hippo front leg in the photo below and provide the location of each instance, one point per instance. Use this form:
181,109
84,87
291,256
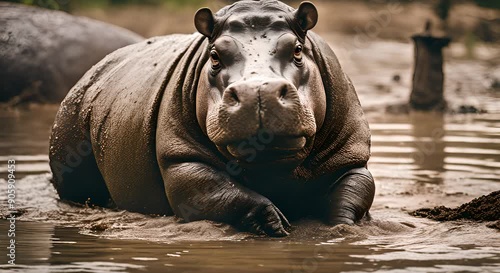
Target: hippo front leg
199,192
350,197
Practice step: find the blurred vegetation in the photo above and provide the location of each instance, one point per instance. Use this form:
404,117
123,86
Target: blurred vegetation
49,4
68,5
442,7
160,17
493,4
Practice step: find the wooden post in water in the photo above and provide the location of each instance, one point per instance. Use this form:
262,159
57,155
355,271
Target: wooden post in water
428,76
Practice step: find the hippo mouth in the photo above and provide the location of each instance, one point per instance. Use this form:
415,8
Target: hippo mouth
279,149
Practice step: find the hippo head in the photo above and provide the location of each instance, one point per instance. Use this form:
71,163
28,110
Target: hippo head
260,98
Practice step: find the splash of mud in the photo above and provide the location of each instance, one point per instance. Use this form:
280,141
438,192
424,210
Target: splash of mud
38,201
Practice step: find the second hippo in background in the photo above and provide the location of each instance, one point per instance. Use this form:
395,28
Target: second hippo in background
43,53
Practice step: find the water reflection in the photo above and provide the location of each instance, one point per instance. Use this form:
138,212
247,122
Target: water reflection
33,242
429,147
25,131
430,159
45,247
25,138
48,248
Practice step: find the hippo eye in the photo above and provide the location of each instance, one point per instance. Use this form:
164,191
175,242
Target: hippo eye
297,54
214,57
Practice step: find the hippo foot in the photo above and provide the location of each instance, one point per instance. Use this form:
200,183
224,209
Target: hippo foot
350,198
266,219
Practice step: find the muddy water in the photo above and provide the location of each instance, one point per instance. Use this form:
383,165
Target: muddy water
419,160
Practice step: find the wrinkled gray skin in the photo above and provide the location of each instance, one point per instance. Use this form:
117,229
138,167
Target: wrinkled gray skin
252,123
44,53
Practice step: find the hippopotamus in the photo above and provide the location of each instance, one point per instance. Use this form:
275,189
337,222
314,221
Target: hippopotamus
250,121
43,53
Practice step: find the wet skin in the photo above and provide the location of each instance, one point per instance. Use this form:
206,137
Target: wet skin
263,110
42,63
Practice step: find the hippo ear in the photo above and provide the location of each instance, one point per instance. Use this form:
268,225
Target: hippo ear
204,22
306,15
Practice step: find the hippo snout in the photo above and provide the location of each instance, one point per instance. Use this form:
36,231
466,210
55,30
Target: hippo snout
277,92
264,114
271,104
264,107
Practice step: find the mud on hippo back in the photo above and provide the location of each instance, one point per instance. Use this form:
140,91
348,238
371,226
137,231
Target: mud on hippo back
252,123
44,53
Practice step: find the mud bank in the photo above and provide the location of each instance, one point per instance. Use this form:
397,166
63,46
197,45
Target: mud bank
484,208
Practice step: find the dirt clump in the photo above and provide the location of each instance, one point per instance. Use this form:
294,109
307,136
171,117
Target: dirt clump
484,208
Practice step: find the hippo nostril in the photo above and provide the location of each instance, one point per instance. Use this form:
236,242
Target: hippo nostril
235,97
283,92
231,97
